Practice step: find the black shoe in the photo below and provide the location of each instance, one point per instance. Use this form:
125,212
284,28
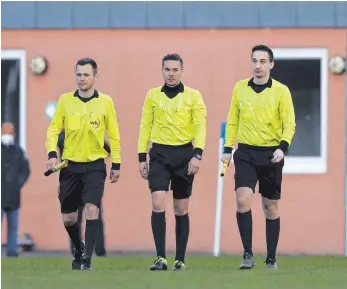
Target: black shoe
178,266
77,257
86,263
271,264
159,264
247,262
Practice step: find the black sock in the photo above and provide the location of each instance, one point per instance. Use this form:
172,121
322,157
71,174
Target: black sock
182,234
272,235
158,222
74,233
92,227
245,223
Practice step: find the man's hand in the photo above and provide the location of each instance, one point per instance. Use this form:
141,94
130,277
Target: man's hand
143,168
226,158
114,175
193,166
278,156
51,163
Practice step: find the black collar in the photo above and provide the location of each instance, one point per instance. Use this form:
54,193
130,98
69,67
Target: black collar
95,94
178,88
252,84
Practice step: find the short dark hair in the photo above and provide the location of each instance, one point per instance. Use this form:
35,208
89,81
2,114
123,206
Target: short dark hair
87,60
174,57
265,49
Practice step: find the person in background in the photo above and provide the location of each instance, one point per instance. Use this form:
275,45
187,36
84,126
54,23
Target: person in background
15,171
100,241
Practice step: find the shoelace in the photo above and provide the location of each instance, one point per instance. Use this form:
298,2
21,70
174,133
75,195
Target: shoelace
157,260
179,263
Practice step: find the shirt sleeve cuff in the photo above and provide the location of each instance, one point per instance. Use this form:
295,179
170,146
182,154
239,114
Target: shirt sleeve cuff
198,151
52,155
228,150
115,167
283,146
142,157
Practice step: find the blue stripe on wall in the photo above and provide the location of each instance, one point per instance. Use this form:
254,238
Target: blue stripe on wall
180,14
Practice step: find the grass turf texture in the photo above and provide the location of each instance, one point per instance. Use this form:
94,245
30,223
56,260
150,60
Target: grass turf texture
304,272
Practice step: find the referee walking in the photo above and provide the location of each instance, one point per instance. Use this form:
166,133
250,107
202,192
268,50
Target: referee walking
174,118
262,119
100,240
85,114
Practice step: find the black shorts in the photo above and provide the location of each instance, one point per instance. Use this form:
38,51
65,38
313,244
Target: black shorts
81,183
253,165
170,164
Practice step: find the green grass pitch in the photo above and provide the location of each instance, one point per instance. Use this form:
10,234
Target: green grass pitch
304,272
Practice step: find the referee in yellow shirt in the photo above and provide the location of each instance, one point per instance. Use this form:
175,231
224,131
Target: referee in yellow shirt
262,119
85,114
174,119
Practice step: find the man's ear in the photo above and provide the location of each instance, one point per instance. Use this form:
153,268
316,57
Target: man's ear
272,64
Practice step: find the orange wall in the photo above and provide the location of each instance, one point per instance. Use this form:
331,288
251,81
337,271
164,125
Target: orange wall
129,64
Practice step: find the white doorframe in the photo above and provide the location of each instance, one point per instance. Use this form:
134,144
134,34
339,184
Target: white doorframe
13,54
310,165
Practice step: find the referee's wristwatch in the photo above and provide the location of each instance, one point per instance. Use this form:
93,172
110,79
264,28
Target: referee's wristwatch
197,156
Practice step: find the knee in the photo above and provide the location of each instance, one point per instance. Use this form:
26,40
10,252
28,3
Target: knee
244,203
159,202
91,212
69,219
180,207
271,209
180,211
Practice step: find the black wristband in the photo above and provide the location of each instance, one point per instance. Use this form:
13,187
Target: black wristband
283,146
52,155
228,150
115,167
198,151
142,157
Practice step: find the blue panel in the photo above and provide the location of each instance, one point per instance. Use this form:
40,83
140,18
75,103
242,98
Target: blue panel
18,15
222,130
240,14
165,14
277,14
341,14
128,14
91,14
182,14
203,14
54,14
316,14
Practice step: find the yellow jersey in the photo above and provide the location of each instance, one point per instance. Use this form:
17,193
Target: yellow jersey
173,121
263,119
85,121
